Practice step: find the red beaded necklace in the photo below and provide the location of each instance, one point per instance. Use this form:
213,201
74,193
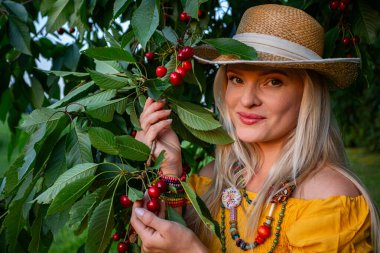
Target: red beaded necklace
231,199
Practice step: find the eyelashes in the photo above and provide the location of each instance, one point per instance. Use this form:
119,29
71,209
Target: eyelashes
273,82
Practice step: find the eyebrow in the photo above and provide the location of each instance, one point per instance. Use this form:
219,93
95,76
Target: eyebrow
261,72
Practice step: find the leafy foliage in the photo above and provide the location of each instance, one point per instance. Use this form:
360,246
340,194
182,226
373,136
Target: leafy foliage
79,157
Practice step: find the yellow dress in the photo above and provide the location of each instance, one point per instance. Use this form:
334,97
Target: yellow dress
335,224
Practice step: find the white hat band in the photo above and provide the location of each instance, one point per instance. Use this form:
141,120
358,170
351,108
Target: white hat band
274,45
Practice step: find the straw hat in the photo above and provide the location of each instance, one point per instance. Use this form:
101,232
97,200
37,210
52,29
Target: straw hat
284,37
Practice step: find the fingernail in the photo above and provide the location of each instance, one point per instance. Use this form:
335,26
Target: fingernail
169,120
139,211
163,100
168,110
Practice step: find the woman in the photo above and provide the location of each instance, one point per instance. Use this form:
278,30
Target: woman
282,185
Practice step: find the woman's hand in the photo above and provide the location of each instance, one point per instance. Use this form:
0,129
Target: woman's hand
156,126
159,235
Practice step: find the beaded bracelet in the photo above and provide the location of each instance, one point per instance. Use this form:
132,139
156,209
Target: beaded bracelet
177,198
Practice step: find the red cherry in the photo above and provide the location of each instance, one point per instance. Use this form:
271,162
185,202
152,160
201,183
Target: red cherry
72,30
342,6
181,55
201,14
349,55
149,56
184,17
133,133
259,240
161,71
115,237
154,192
346,41
355,40
175,78
334,5
161,184
187,65
122,247
60,30
188,51
153,205
181,70
346,2
125,201
263,232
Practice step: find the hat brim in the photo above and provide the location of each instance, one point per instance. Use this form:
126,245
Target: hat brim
341,71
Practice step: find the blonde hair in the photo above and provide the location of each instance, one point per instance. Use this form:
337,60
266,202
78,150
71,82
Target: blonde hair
316,133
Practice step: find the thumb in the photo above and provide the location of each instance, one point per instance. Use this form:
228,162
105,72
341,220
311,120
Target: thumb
150,219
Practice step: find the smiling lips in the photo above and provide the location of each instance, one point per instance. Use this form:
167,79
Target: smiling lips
250,119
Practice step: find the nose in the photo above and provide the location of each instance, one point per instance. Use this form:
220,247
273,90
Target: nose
250,96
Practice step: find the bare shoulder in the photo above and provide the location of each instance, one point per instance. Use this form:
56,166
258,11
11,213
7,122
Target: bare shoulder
326,183
207,170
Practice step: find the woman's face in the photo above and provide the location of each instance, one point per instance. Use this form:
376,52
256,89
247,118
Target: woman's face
263,102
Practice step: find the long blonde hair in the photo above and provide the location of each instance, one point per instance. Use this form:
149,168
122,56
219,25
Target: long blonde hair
316,133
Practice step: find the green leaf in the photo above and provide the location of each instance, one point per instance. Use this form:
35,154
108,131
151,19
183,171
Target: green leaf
56,165
230,46
78,147
191,8
100,227
12,175
77,172
93,99
144,21
195,116
119,7
15,220
105,110
156,88
367,22
19,35
132,149
58,13
106,81
108,67
110,39
134,194
69,194
127,38
131,110
41,116
103,140
81,209
201,209
216,136
17,9
173,215
170,35
37,96
64,73
82,90
35,230
109,54
158,161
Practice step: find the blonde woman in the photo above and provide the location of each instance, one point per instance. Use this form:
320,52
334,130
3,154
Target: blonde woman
283,185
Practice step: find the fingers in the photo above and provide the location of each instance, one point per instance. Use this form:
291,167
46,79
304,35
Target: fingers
151,106
153,118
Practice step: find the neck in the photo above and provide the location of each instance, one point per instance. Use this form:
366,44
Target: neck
269,153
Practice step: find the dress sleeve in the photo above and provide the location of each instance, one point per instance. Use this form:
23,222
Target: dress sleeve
336,224
200,184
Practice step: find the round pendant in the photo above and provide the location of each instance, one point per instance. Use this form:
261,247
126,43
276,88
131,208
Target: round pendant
231,197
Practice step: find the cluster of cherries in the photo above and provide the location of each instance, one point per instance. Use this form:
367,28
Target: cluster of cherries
184,55
61,31
341,4
348,42
122,246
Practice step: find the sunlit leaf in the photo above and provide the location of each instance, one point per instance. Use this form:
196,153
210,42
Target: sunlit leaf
132,149
230,46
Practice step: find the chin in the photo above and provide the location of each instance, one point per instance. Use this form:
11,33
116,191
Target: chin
248,137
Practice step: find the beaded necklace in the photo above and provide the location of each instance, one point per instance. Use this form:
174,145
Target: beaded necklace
231,199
